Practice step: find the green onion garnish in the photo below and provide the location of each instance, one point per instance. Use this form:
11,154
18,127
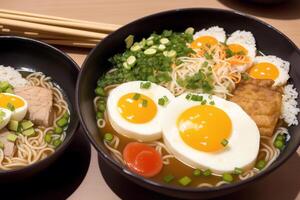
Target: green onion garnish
197,172
144,103
145,85
212,103
261,164
136,96
108,137
184,181
168,178
10,107
238,171
224,142
227,177
207,172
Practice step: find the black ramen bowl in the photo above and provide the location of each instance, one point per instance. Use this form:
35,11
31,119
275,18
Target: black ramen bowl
33,56
269,40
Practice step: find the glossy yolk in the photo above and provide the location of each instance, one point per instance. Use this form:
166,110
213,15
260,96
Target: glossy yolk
264,70
204,127
5,100
137,110
236,48
203,40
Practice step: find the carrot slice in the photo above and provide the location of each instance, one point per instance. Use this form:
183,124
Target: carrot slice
142,159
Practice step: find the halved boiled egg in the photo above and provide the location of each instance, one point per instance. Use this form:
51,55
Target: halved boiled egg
270,67
135,109
5,116
16,104
213,133
242,45
208,37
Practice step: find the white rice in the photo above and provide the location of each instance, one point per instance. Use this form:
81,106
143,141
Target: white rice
289,110
12,76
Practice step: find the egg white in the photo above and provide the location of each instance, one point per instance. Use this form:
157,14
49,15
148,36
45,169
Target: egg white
215,31
246,40
19,113
145,132
243,146
282,66
6,118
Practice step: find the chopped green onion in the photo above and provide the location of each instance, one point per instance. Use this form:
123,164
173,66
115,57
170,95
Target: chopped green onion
207,172
212,103
101,107
145,85
26,125
150,51
10,107
108,137
279,144
48,138
57,142
164,40
1,145
280,137
188,96
131,60
135,47
13,125
163,101
227,177
208,56
261,164
144,103
197,172
189,30
136,96
168,178
245,76
99,115
238,171
58,130
203,102
229,53
197,98
224,142
66,115
99,91
204,64
184,181
11,137
62,122
129,41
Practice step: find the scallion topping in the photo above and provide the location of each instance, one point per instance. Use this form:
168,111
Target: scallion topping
168,178
108,137
238,171
145,85
184,181
197,172
144,103
207,172
136,96
10,107
224,142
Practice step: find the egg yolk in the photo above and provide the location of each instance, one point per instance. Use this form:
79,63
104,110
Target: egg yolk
7,101
264,70
204,40
137,108
204,127
238,49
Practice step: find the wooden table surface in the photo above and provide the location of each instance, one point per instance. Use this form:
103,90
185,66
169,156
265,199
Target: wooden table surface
285,17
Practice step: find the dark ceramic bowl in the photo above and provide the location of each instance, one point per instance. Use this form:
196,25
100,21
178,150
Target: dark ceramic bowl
269,40
265,2
30,55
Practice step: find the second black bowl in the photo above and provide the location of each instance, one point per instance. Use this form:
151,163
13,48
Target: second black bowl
31,55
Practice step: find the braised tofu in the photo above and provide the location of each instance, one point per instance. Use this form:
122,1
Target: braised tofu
261,101
40,104
8,146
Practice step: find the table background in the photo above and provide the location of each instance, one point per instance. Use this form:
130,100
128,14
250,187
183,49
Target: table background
285,17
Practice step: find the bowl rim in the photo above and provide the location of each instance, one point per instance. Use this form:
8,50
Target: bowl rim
141,179
67,140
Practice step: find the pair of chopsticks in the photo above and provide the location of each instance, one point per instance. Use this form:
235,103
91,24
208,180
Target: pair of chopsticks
54,30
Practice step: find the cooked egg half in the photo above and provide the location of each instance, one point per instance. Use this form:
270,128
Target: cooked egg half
218,135
270,67
135,112
210,37
16,104
5,116
242,43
